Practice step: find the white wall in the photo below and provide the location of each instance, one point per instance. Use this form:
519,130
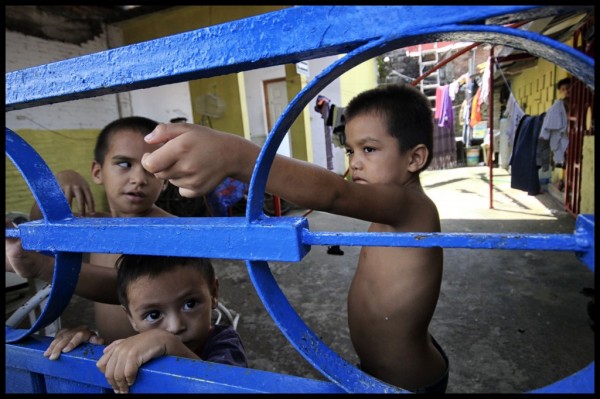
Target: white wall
26,51
163,103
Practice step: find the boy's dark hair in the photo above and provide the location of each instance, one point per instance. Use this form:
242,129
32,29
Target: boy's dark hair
563,82
132,267
136,123
405,110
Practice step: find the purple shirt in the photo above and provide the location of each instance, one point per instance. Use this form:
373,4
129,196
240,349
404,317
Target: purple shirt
224,345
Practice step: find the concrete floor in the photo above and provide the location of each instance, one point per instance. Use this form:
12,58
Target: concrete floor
510,321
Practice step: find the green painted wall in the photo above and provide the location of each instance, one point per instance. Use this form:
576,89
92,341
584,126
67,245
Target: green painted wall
65,149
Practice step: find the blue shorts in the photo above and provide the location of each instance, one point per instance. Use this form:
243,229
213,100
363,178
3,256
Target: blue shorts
440,385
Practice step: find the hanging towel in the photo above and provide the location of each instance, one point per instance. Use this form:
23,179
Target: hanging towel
446,115
524,168
476,109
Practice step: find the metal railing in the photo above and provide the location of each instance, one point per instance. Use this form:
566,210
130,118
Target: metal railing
213,51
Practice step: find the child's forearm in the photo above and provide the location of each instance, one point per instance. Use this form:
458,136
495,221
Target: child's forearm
302,183
98,284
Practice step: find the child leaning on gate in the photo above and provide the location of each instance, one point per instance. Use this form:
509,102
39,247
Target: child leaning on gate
169,302
130,191
394,292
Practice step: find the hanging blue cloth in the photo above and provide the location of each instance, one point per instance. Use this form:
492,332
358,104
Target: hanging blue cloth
524,167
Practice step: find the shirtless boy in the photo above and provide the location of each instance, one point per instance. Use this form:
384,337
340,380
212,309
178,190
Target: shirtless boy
393,295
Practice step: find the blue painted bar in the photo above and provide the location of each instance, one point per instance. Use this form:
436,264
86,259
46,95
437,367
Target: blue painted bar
539,242
294,34
218,237
167,374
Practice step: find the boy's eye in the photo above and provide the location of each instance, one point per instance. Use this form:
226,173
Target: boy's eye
349,151
190,304
152,316
124,164
368,149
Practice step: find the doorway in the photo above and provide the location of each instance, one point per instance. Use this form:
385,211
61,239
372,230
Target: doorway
276,100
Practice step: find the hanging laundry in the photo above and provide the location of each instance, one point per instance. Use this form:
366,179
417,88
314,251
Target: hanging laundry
513,113
445,116
439,93
444,143
470,90
323,106
485,85
476,109
524,167
554,130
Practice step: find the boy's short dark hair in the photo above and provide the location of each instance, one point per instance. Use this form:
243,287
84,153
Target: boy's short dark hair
563,82
132,267
136,123
406,111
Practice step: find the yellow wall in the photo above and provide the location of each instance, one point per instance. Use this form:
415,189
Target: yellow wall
300,130
360,78
187,18
535,88
76,152
586,204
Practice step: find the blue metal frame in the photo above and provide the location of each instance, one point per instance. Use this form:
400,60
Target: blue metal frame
295,34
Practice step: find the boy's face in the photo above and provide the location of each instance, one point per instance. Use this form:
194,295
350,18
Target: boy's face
179,301
374,155
564,91
130,189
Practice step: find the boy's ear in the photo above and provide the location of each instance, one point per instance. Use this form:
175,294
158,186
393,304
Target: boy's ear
418,158
97,172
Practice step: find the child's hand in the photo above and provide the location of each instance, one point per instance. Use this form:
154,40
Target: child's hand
76,187
26,264
68,339
193,157
123,358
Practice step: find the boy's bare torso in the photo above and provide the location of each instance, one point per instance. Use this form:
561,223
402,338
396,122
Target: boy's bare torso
390,303
111,321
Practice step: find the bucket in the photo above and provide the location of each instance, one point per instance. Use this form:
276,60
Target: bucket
472,156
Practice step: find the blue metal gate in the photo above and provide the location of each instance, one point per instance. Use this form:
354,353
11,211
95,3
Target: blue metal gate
214,51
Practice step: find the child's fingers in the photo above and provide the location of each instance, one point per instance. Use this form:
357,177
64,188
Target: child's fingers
94,339
165,132
64,343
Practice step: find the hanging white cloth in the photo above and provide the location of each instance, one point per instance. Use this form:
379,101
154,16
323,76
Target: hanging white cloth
514,113
554,129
